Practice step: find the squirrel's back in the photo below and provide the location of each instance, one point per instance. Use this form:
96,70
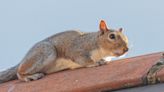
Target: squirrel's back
64,37
63,40
70,41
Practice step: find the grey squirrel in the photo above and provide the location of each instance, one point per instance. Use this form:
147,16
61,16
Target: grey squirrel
68,50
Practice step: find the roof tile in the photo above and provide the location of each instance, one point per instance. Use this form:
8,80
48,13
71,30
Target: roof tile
118,74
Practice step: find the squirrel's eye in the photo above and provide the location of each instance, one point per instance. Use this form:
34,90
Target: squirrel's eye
112,36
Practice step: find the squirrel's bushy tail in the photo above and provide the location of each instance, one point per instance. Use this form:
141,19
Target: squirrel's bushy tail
9,74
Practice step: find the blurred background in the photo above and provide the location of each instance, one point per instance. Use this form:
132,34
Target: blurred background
25,22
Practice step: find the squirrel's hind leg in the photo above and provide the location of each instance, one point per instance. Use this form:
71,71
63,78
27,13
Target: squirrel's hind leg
34,77
35,64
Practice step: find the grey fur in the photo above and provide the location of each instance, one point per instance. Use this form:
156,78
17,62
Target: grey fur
9,74
71,45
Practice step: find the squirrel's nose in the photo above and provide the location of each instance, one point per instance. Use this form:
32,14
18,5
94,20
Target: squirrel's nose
125,49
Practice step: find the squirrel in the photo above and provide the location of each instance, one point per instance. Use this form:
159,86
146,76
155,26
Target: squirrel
68,50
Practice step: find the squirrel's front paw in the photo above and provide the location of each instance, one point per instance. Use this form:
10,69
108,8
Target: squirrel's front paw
101,62
98,63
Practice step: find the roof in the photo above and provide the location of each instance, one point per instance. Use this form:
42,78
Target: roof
124,73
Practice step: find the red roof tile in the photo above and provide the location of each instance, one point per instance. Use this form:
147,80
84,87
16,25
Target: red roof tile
118,74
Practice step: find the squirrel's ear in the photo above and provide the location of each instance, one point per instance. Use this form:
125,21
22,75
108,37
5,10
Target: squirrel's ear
103,26
120,29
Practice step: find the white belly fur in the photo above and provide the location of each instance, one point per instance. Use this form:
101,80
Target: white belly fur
98,54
